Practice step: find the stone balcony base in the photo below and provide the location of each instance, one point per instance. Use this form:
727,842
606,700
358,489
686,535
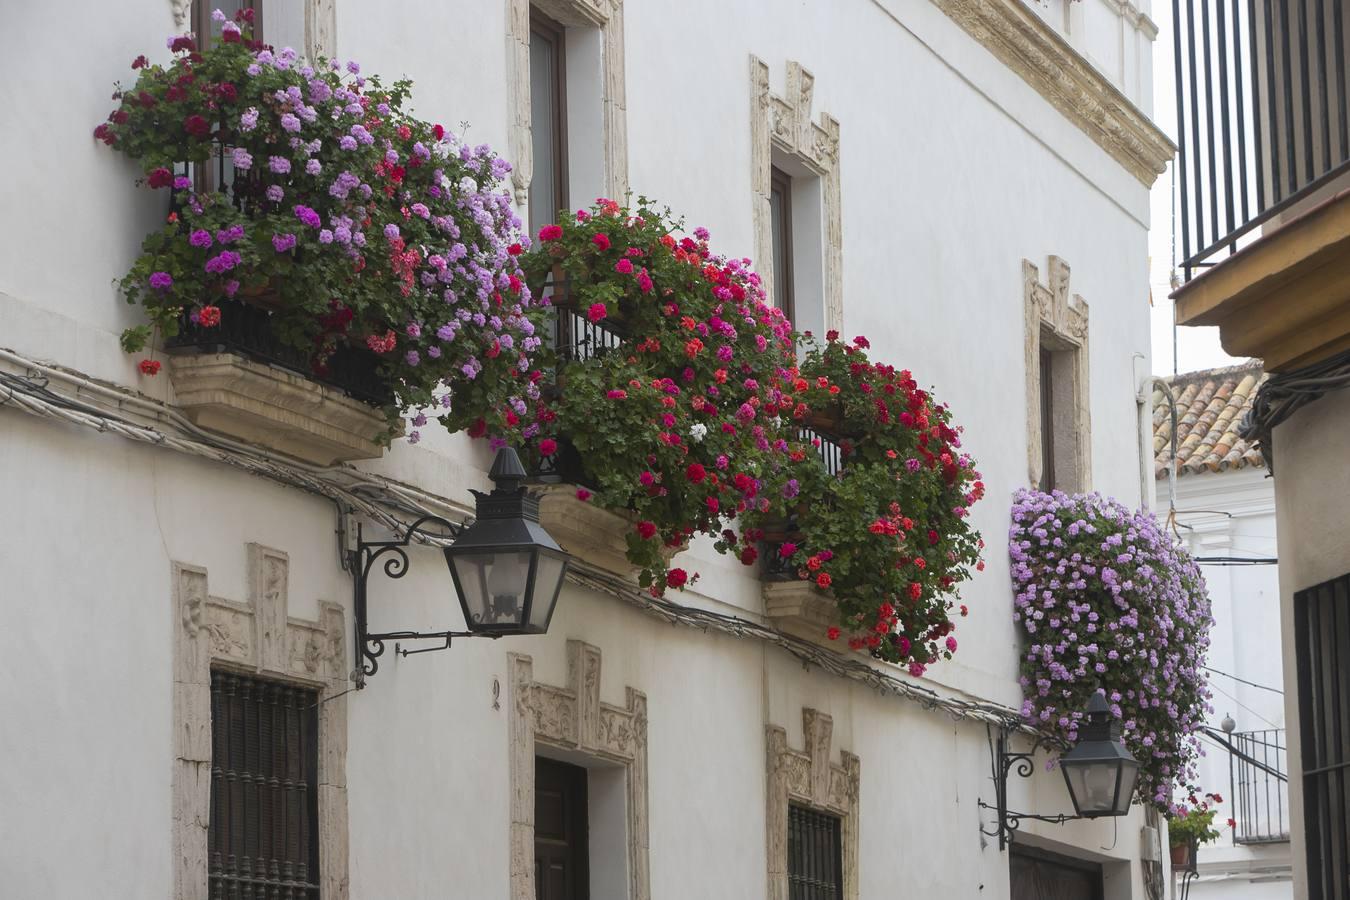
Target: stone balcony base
275,408
799,608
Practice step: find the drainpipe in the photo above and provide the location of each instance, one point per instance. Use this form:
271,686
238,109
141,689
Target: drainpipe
1147,384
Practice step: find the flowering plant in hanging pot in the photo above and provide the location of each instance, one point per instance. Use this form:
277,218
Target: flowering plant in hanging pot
667,378
1191,824
880,505
1109,601
307,190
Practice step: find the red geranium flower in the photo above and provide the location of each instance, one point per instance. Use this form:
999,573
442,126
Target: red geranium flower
548,446
183,42
197,126
646,530
209,316
596,312
149,366
677,578
140,62
583,495
159,178
832,633
601,241
550,232
696,473
823,579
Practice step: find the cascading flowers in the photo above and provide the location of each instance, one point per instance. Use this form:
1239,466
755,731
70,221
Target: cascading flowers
1110,602
675,420
354,222
889,534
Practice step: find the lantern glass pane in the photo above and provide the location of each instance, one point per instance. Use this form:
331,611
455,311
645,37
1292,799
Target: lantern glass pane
494,586
1093,785
547,580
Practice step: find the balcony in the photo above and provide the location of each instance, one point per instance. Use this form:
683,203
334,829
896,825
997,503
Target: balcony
1260,795
1263,214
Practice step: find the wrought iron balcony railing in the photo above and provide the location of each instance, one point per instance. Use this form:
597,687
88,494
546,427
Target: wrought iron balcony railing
1260,792
1263,115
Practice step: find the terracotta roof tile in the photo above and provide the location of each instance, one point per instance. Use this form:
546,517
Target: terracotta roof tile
1210,406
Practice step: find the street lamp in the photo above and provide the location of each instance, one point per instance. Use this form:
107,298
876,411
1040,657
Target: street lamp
506,569
1099,772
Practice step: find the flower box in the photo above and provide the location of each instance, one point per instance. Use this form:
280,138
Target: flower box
588,532
275,408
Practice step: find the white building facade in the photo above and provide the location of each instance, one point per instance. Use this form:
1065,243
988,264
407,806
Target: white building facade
947,163
1224,502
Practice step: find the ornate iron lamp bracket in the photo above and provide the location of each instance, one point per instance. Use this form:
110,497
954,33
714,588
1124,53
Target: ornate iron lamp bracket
371,645
1009,821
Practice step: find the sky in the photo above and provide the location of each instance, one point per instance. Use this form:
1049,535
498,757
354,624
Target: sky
1195,348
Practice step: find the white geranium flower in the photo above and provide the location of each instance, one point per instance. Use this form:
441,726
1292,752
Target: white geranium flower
698,431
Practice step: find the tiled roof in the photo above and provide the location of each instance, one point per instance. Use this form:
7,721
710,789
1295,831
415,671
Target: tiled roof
1210,406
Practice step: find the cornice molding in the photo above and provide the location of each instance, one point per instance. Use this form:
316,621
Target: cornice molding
1044,60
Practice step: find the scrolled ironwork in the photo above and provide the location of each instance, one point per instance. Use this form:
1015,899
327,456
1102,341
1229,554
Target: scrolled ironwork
395,564
1004,763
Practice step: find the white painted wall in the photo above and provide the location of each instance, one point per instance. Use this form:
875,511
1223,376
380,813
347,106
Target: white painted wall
1232,514
1312,494
953,171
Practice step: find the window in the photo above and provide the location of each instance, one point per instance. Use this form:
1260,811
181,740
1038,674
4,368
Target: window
1322,652
780,215
561,856
815,855
263,833
208,30
548,120
1047,420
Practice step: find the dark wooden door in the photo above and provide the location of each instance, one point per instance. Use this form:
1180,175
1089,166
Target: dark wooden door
1039,875
560,852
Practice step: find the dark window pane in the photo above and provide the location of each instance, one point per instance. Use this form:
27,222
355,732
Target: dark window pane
548,117
561,854
780,219
263,834
1047,420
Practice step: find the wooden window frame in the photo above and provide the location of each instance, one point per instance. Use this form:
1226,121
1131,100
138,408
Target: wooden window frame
780,184
542,26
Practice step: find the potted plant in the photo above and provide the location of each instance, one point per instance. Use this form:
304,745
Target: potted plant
880,518
673,408
334,222
1189,826
1110,601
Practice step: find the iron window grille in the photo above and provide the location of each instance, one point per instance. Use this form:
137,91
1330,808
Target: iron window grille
1322,648
815,855
263,834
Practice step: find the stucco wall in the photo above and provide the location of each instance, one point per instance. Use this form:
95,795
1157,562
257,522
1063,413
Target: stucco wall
1312,494
953,171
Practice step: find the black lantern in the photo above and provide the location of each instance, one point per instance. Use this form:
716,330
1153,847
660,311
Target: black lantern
507,570
1099,771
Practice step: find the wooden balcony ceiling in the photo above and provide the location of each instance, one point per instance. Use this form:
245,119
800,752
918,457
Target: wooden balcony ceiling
1285,298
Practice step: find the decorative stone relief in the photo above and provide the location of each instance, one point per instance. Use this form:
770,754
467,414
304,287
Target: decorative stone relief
784,123
808,777
1051,311
574,718
1031,48
261,637
607,15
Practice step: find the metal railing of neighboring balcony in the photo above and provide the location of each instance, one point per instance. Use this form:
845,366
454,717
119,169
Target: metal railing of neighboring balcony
1263,115
1260,791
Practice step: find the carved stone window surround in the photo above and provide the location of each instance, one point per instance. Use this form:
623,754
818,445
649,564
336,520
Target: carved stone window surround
574,718
258,637
1053,315
606,15
784,124
320,25
809,778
